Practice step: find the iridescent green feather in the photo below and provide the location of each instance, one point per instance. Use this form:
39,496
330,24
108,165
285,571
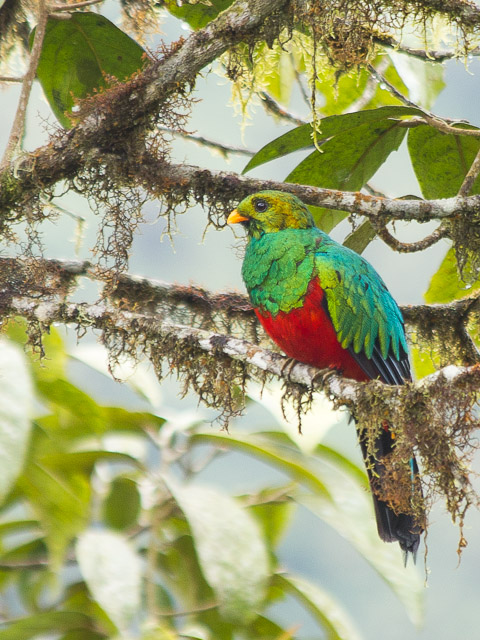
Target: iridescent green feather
285,251
350,283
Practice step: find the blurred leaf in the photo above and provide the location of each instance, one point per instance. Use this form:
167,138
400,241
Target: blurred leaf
46,623
223,533
61,501
424,80
359,239
83,634
78,54
301,137
265,629
77,597
78,415
274,514
281,75
441,161
332,617
423,362
52,366
196,14
84,461
16,402
446,284
122,505
113,574
350,513
262,446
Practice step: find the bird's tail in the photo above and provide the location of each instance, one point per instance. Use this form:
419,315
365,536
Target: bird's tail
402,522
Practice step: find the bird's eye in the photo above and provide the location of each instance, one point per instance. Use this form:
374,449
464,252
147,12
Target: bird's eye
261,205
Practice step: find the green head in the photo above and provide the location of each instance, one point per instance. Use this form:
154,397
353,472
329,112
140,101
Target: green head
271,211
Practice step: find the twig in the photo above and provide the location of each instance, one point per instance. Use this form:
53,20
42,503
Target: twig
53,8
205,142
373,207
431,119
427,55
410,247
273,107
11,79
19,121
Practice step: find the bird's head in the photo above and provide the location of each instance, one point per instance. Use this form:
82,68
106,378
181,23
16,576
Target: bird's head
271,211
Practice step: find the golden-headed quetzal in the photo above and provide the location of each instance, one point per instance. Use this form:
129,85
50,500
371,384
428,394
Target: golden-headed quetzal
326,306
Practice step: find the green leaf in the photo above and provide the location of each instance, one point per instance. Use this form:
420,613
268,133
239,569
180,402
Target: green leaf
274,515
293,140
16,402
77,55
197,14
122,505
61,501
359,239
223,533
424,80
84,461
45,623
446,284
329,613
441,161
263,447
301,137
112,571
348,160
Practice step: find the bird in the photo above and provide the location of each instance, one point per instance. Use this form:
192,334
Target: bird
325,305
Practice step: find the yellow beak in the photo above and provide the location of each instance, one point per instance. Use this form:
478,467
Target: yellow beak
235,217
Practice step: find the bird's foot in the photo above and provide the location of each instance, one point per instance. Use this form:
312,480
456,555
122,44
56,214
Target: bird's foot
287,368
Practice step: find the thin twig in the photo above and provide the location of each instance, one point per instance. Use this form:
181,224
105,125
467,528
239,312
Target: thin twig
411,247
435,121
212,144
370,88
53,8
273,107
427,55
19,121
11,79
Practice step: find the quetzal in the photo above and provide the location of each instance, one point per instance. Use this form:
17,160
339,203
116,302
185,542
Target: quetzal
326,306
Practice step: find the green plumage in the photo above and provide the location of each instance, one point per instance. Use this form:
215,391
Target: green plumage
280,264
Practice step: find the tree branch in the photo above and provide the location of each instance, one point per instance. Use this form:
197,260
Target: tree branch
66,154
200,180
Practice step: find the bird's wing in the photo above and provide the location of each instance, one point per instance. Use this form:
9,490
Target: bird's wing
366,318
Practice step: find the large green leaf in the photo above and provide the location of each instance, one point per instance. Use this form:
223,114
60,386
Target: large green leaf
197,14
77,55
113,573
348,160
230,549
265,448
441,161
446,284
328,611
16,402
301,137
